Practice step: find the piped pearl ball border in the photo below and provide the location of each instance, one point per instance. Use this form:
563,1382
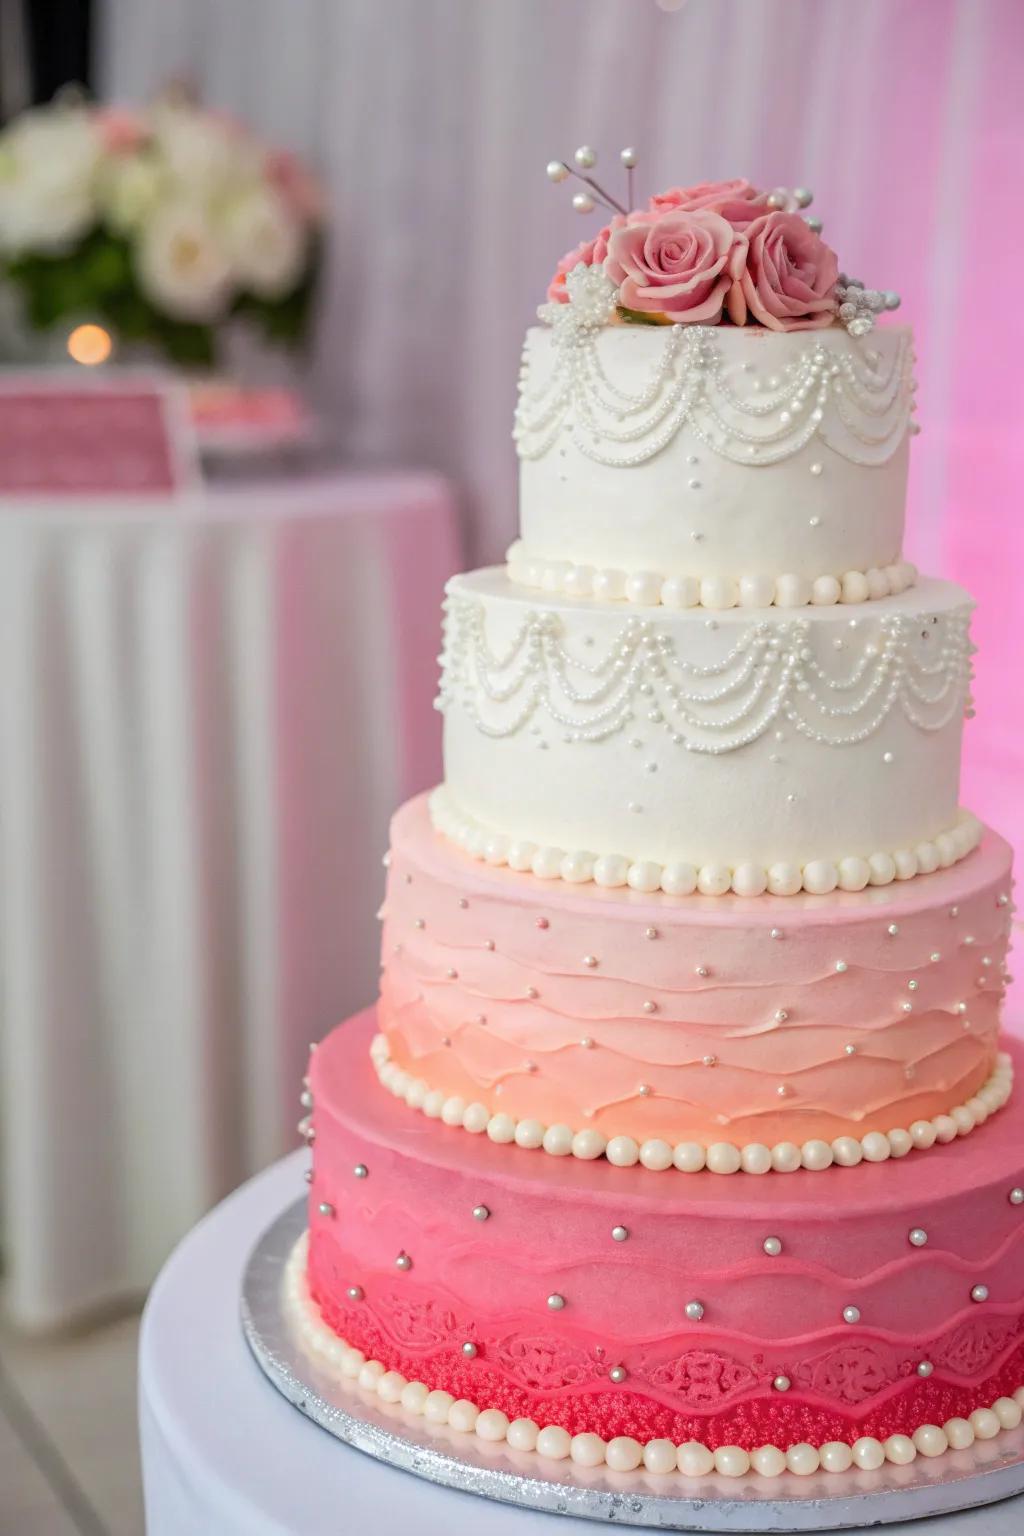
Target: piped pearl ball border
624,1454
691,1156
648,589
786,878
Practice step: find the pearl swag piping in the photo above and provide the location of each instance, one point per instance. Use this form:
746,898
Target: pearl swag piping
648,588
722,1157
817,876
623,1454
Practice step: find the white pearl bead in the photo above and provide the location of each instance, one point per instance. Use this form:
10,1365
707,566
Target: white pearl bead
414,1396
611,870
985,1424
492,1424
679,879
588,1144
854,874
587,1450
583,203
578,868
719,592
878,583
816,1155
875,1146
501,1128
960,1433
755,1158
1008,1412
922,1134
689,1157
694,1459
917,1237
900,1143
523,1435
579,580
714,879
660,1457
723,1157
930,1440
881,869
609,584
768,1461
825,591
656,1155
854,587
906,864
868,1453
644,876
529,1134
900,1450
629,158
547,863
554,1443
585,157
820,877
521,854
785,879
803,1459
680,592
749,880
558,1140
436,1407
557,170
756,591
622,1151
371,1373
786,1157
643,587
390,1387
732,1461
792,591
847,1151
624,1454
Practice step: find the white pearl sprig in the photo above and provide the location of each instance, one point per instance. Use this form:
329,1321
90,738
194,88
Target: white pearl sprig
858,306
584,161
721,1157
660,1457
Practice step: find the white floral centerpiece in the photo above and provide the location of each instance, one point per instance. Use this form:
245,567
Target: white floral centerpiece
163,224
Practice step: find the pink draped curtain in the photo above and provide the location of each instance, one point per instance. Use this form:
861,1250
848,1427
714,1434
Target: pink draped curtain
432,120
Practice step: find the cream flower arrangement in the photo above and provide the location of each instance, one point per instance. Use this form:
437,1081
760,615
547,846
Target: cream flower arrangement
162,223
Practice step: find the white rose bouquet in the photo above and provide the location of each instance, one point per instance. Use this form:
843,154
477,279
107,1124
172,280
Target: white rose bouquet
162,223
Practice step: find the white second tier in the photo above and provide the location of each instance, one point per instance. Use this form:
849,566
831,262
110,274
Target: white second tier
798,749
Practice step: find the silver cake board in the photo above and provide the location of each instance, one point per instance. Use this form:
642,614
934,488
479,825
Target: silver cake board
988,1471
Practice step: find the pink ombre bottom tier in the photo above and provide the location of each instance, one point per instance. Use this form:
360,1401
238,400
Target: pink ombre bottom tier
712,1019
892,1296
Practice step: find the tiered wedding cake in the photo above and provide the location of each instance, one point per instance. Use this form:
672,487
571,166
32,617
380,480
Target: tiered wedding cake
696,899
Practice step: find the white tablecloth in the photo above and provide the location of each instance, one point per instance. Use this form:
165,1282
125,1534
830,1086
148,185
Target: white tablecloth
206,717
224,1453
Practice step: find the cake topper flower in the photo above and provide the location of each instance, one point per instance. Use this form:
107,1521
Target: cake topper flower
718,251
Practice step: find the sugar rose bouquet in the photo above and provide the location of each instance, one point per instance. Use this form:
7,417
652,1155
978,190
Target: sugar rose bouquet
717,252
162,223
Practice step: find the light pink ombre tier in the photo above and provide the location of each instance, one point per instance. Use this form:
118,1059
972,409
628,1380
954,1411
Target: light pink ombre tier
711,1019
845,1311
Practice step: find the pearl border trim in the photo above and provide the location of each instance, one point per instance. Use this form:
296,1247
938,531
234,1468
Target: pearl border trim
624,1454
651,588
691,1156
817,876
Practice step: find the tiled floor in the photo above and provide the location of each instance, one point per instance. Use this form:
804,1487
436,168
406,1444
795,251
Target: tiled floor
68,1455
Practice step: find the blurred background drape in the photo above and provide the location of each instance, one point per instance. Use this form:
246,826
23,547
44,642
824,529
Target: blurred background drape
433,119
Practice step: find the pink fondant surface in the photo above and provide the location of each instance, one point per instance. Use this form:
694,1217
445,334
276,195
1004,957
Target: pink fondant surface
487,993
844,1238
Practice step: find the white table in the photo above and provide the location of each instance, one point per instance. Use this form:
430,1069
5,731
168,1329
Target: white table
223,1452
207,714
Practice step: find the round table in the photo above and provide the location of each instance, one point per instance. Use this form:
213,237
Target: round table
209,709
223,1452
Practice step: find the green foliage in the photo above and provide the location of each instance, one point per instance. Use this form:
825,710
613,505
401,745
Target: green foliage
97,280
638,316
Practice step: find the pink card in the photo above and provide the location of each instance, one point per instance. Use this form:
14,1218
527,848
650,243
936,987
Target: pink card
67,435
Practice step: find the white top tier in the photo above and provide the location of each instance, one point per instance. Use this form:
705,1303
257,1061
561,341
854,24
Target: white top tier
730,453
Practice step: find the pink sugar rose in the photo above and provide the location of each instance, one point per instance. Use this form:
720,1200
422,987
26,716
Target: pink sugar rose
788,280
590,252
679,264
706,194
